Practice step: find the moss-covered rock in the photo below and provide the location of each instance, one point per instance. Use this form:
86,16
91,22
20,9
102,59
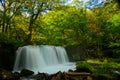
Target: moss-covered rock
84,67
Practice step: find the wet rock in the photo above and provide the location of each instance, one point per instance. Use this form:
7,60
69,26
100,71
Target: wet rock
42,76
71,70
117,75
59,76
16,76
26,73
6,75
64,76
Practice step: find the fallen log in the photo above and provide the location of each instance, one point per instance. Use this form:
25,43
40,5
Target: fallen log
78,74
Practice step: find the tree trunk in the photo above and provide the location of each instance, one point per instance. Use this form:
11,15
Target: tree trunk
28,40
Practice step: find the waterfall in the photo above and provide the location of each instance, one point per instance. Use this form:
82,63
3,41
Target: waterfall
44,58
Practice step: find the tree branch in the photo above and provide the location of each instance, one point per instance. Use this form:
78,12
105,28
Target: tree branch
39,10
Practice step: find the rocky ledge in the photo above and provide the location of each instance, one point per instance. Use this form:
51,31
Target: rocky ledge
26,74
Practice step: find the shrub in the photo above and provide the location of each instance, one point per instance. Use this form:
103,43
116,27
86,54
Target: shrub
84,67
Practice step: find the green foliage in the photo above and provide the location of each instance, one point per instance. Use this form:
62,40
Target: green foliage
53,23
18,18
63,22
114,23
113,30
104,69
101,29
85,66
104,63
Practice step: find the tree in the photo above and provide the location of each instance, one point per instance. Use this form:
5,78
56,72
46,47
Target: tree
30,10
97,20
36,8
95,33
63,21
9,9
113,34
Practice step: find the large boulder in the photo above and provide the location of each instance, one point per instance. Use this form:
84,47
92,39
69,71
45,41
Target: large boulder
59,76
42,76
84,67
26,73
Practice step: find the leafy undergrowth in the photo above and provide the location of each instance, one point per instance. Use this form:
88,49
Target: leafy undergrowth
101,67
112,64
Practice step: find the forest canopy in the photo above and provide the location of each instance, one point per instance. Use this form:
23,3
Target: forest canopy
53,22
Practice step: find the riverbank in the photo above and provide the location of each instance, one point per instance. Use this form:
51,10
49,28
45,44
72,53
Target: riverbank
78,74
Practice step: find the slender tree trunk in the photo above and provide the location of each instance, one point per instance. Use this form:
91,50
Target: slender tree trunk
30,30
31,26
3,24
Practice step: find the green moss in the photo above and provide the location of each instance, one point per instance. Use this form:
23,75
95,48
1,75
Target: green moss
84,67
103,67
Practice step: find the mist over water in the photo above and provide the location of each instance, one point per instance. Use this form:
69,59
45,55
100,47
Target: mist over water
44,58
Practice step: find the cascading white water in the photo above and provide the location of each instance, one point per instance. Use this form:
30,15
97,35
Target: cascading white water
62,55
48,59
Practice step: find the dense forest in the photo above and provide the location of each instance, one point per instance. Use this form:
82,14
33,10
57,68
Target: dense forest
56,22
